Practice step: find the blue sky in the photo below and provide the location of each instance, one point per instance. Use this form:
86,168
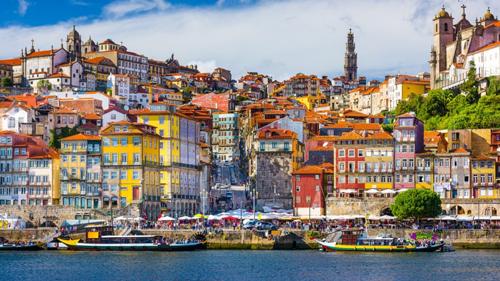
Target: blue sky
34,12
275,37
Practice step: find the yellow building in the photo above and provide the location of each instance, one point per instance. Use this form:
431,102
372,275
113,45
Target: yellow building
484,178
80,171
179,157
378,156
131,159
409,87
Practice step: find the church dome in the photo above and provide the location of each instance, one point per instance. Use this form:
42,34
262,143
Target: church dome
443,13
488,15
73,33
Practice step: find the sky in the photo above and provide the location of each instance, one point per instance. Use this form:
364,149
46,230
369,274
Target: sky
275,37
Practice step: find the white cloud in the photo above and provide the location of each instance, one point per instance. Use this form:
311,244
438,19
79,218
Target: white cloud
120,8
279,38
204,66
23,7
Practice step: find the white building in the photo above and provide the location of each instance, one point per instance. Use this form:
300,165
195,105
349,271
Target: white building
11,116
113,114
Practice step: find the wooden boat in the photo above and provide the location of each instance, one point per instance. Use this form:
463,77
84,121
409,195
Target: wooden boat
355,240
101,239
20,247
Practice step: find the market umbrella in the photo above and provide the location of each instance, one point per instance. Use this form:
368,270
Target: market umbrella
386,217
185,218
199,216
388,191
371,191
166,218
212,218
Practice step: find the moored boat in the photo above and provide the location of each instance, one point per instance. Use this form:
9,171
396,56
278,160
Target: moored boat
102,239
20,247
356,240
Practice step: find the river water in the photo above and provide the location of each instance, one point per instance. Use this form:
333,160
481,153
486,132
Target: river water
249,265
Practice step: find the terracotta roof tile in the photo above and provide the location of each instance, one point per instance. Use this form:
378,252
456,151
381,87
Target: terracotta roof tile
79,137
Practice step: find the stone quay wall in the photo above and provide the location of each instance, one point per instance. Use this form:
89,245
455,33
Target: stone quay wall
286,240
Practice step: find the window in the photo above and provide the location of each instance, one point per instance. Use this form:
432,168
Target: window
287,146
351,153
341,167
316,177
262,146
135,175
360,152
12,122
341,153
124,158
124,141
274,144
136,141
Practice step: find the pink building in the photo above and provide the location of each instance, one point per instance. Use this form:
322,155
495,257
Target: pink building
409,137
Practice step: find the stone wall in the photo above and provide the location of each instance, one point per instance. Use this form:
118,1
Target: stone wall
376,206
37,215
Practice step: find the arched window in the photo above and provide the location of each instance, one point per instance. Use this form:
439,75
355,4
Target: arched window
436,27
445,27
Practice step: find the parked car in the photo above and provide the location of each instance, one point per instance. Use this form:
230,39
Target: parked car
249,224
262,225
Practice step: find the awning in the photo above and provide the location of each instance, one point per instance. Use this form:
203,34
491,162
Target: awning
402,189
166,218
347,191
388,191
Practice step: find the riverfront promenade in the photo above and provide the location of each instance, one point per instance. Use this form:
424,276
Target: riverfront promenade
284,239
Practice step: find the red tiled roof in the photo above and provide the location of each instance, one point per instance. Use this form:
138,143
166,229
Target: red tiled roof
350,136
354,114
12,62
269,133
59,75
44,53
78,137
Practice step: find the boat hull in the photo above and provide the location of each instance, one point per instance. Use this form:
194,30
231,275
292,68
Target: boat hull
34,247
332,247
77,246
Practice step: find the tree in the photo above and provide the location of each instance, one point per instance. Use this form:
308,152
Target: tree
6,82
470,86
187,94
412,104
435,104
416,204
44,85
493,86
55,139
388,127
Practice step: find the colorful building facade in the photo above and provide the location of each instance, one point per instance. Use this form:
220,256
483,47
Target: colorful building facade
131,167
80,173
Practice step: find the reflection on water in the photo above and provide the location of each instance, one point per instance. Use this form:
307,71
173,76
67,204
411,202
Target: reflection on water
250,265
